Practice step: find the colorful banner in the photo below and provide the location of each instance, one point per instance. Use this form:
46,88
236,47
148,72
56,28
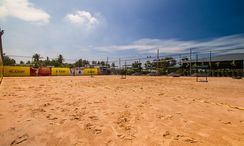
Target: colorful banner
33,71
44,71
16,71
60,71
72,71
78,71
90,71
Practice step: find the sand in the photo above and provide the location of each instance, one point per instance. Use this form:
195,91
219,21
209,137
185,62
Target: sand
107,110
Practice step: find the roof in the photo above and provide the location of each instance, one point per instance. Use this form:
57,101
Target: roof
219,58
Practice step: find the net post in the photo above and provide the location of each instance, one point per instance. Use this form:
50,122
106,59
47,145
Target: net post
1,56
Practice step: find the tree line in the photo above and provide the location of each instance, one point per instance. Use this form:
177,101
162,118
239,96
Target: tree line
38,61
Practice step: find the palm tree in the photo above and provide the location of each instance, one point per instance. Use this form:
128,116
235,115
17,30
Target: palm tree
60,59
148,65
21,62
36,60
36,57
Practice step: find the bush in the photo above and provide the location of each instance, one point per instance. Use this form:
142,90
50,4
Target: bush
130,71
179,71
145,72
225,73
162,71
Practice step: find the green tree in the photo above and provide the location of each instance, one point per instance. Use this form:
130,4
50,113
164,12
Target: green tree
217,64
36,57
55,63
94,62
81,63
21,62
136,66
113,65
47,62
28,62
102,63
164,63
148,65
36,60
60,59
8,61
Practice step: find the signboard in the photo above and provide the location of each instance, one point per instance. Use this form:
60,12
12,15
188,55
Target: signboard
78,71
60,71
16,71
90,71
44,71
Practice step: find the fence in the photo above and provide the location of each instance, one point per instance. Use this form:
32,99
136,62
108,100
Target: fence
214,62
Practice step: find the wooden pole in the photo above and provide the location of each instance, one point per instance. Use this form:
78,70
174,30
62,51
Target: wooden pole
190,60
158,60
210,62
1,55
1,46
243,68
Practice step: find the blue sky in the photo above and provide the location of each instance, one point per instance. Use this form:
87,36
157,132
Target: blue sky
94,29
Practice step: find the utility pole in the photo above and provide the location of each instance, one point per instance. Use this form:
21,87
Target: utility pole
196,61
119,64
190,60
181,63
1,55
210,62
243,69
107,62
1,45
157,59
125,67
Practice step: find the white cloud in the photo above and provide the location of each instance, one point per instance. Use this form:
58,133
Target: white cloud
84,19
178,46
24,10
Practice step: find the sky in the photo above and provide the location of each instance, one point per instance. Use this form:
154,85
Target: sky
95,29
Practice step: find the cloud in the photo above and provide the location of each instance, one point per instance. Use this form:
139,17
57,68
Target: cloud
24,10
178,46
84,19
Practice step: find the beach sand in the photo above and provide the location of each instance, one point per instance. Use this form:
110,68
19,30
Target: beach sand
107,110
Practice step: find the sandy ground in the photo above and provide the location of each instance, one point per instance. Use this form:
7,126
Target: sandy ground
107,110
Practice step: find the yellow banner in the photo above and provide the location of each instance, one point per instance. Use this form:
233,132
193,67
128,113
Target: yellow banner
90,71
16,71
60,71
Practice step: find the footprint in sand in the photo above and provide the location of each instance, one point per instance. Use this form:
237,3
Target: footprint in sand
75,117
93,128
46,104
93,118
62,121
49,116
227,123
166,134
124,126
20,139
185,138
